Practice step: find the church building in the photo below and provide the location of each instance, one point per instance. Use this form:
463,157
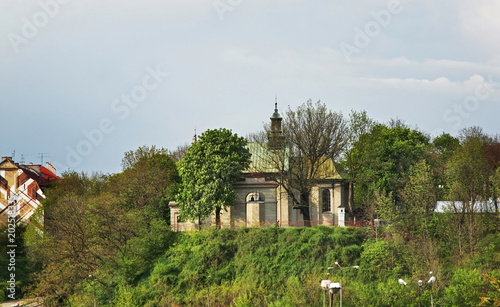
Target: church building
261,201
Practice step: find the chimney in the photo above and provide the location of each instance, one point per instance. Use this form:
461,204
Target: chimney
50,168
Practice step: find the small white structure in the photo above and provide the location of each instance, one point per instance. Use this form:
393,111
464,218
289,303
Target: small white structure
341,215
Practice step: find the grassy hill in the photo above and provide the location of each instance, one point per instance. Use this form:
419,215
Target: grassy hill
284,266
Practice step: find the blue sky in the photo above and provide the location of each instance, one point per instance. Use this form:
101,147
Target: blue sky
85,81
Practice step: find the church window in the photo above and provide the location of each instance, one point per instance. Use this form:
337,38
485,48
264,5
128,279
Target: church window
326,201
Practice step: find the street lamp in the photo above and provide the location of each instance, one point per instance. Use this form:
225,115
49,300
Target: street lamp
350,267
334,288
421,288
430,282
325,283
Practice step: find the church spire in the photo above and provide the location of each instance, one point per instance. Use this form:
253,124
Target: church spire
195,138
275,136
276,115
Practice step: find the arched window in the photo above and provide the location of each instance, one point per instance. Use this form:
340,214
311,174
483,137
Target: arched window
255,197
325,200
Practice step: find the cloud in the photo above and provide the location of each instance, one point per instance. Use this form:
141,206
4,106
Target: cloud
480,24
441,84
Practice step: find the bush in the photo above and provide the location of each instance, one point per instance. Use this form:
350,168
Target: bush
382,259
464,288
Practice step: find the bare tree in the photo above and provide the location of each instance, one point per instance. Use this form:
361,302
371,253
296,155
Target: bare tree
179,152
297,152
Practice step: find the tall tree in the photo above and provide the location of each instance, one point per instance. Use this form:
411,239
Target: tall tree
468,173
359,124
418,200
148,181
208,171
312,137
444,146
388,155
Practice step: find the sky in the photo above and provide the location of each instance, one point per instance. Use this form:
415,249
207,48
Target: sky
82,82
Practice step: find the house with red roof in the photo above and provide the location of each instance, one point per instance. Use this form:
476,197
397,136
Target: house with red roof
22,189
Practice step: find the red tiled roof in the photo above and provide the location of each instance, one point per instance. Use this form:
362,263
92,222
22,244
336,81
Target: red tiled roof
48,174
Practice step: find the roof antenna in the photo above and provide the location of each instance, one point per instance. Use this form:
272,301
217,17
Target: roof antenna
41,155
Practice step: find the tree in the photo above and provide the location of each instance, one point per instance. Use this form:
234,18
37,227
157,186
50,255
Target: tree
419,199
493,298
208,171
388,155
148,181
73,246
179,152
109,227
133,156
495,191
445,144
468,173
312,138
359,124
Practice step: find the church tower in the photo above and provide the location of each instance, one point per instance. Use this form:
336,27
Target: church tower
275,135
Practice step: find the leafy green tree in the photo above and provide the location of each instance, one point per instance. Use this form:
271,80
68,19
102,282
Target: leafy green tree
418,200
468,172
70,248
359,124
148,183
445,144
443,147
131,157
388,155
208,171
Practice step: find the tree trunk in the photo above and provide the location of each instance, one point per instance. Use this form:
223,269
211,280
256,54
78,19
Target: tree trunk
217,218
304,208
350,199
